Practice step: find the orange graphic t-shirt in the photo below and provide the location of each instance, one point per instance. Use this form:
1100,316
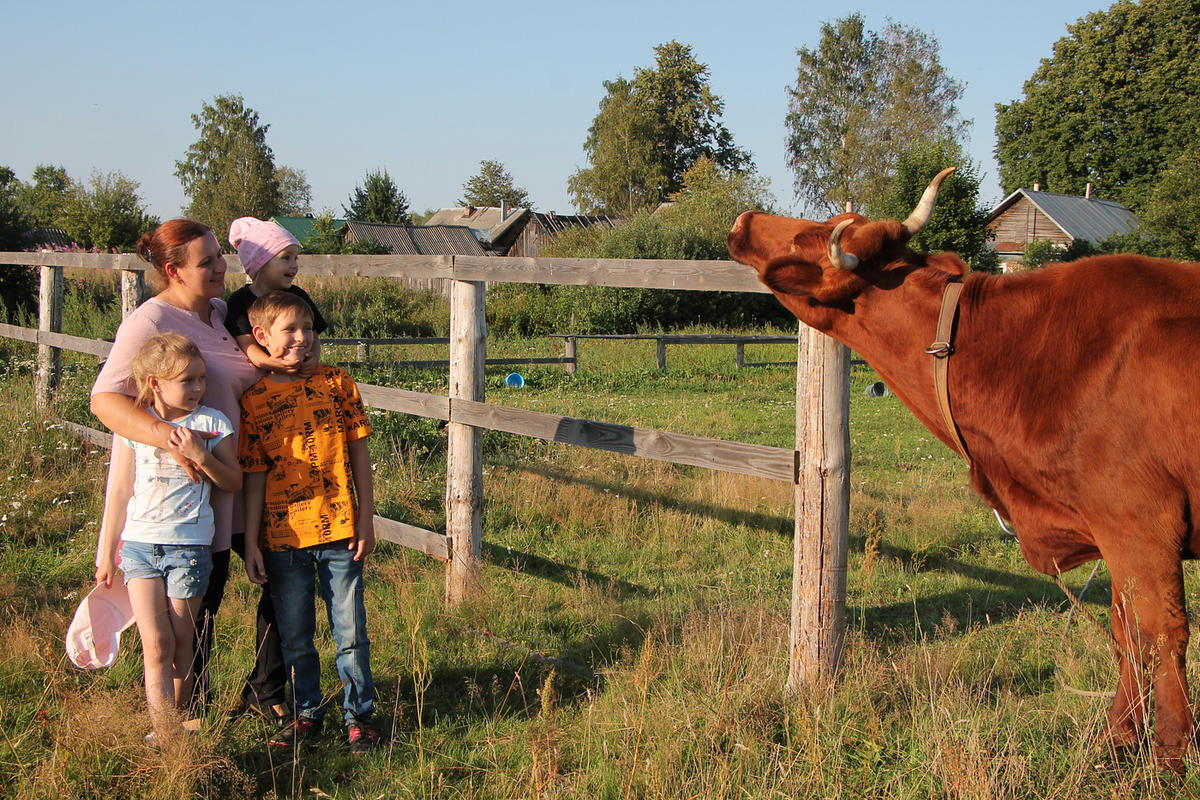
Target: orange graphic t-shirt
298,433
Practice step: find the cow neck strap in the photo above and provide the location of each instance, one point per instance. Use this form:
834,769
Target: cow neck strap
941,349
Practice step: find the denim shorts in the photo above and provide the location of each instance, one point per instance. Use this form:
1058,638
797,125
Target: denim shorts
185,567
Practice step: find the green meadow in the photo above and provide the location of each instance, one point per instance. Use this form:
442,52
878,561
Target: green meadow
631,637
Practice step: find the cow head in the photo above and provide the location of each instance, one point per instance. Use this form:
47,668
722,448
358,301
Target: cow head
828,263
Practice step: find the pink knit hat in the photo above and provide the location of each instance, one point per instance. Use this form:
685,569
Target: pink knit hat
95,632
258,241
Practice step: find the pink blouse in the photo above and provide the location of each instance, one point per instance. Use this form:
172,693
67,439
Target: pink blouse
228,372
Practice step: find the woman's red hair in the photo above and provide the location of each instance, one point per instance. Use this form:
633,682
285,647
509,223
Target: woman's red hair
168,243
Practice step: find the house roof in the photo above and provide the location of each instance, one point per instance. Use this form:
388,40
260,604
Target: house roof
1078,217
302,227
43,237
412,240
557,223
494,228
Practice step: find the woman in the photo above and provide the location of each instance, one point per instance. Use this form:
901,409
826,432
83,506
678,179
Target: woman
188,260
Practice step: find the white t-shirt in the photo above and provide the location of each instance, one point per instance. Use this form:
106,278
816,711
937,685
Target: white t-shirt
167,506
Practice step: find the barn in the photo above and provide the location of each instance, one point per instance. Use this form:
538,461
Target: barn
1030,215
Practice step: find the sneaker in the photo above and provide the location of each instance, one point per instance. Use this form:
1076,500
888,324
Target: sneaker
362,735
292,731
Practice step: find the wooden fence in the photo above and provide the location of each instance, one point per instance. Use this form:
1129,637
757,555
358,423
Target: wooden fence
818,467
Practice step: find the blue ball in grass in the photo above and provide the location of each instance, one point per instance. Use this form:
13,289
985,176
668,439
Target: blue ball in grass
514,379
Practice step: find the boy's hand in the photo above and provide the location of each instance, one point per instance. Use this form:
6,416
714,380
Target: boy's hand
364,538
255,571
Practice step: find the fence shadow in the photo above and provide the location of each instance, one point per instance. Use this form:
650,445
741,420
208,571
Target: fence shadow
782,525
556,571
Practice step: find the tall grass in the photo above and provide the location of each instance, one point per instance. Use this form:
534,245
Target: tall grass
631,640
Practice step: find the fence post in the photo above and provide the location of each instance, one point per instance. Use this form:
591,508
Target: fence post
363,353
49,363
133,290
662,353
741,354
464,458
822,509
569,353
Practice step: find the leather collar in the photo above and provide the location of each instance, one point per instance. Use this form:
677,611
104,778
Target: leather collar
941,350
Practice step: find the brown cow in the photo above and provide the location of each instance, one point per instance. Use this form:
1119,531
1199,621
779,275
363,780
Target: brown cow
1071,388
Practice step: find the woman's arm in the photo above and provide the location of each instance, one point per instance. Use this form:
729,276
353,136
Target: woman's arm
257,355
121,415
116,502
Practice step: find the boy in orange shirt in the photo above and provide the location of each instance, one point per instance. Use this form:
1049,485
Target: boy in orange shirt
310,511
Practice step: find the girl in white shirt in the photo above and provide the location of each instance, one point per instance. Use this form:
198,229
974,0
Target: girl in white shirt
162,521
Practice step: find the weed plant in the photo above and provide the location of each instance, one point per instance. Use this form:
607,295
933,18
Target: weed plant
631,637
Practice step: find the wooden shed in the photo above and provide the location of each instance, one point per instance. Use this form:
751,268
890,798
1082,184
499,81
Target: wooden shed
1029,215
541,228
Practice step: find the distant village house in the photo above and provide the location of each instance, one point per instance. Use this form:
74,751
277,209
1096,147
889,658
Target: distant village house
1030,215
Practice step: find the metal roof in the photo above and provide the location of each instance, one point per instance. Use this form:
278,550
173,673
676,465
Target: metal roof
412,240
302,227
557,223
1078,217
496,227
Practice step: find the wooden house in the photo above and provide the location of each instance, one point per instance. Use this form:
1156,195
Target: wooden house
1029,215
495,228
543,227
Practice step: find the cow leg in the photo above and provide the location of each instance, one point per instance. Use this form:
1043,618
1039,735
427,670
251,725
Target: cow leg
1149,621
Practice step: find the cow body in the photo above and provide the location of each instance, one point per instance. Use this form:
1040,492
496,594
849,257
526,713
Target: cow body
1071,388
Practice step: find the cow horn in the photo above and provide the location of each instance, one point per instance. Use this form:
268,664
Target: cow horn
919,218
840,259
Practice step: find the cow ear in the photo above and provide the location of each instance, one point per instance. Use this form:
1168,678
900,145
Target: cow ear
791,276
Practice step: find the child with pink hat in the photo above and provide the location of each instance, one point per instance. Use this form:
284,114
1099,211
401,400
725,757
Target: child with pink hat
268,253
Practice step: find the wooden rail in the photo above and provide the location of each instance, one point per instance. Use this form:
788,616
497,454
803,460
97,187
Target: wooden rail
571,351
819,480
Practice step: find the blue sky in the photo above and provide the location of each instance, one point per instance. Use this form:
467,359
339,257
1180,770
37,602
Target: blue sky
427,91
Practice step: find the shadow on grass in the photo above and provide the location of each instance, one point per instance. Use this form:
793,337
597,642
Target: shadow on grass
754,519
542,567
1000,596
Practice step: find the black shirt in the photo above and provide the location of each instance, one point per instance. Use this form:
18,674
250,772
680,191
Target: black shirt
237,318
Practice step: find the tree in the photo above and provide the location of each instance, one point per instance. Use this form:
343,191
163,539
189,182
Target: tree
649,132
42,200
1114,106
959,223
13,222
860,99
378,200
295,193
18,285
229,171
106,213
1172,213
492,184
624,175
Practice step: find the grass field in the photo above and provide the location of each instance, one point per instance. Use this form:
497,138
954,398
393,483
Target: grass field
631,641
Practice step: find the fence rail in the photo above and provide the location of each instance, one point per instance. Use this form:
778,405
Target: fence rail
468,415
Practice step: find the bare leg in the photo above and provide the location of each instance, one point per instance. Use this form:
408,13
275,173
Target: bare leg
183,627
148,598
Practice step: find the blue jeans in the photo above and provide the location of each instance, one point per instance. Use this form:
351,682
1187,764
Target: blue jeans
292,575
